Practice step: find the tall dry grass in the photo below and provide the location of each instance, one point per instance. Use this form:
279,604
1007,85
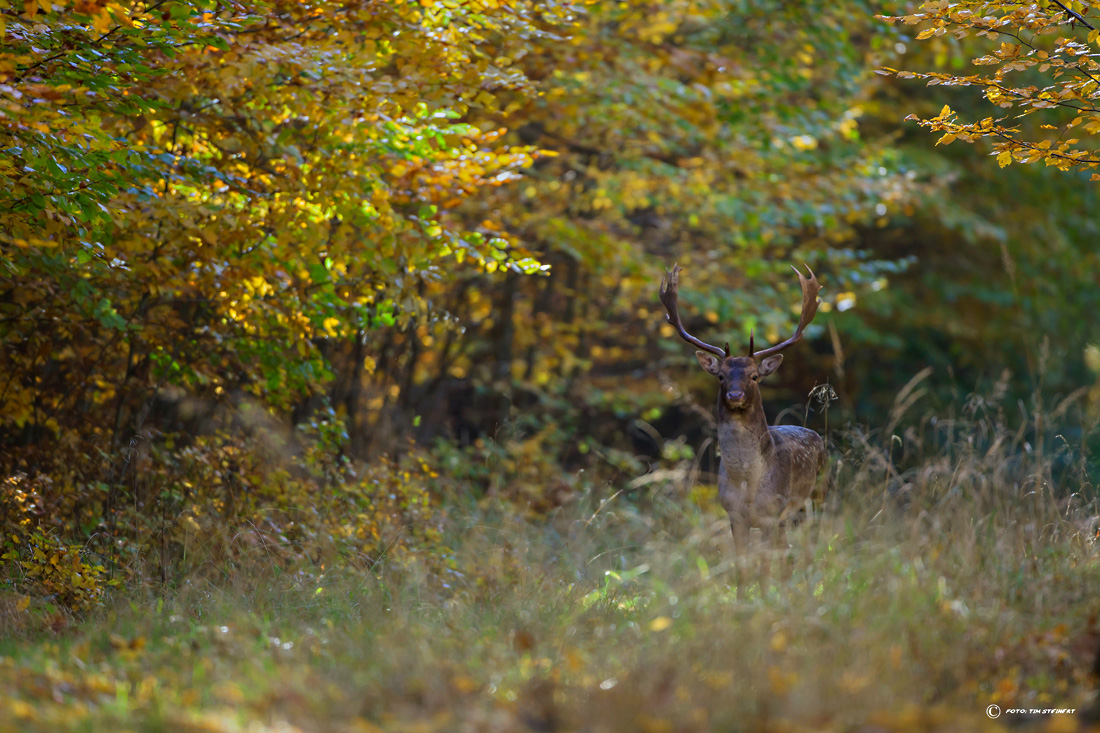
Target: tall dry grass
954,566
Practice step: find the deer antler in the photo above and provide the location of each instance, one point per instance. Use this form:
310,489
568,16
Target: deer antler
670,287
810,289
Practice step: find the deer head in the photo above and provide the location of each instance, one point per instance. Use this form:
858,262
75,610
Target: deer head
739,376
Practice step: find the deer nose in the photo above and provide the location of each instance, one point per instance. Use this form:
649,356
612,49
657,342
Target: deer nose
735,396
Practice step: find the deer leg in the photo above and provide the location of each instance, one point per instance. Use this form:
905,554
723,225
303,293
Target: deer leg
779,537
770,531
740,529
782,547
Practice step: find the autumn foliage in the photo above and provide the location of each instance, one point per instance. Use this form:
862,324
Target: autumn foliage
1039,68
198,199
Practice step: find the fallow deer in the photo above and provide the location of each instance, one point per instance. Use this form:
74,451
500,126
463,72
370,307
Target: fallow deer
765,473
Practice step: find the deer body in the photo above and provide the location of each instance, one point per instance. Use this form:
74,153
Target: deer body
766,473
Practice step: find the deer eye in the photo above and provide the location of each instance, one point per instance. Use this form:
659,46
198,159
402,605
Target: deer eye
756,377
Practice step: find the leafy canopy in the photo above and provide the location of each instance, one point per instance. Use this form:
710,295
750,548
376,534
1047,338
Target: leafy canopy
1040,68
195,193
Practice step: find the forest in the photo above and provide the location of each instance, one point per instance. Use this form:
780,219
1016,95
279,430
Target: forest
340,388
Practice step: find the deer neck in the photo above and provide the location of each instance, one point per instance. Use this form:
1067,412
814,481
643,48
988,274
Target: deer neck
743,435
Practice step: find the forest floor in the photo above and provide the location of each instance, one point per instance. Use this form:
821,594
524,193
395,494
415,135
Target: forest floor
912,611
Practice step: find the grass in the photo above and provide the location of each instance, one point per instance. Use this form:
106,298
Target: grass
919,597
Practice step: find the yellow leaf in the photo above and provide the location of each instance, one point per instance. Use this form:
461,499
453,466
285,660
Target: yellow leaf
945,111
1004,158
804,142
21,709
464,684
946,139
23,603
779,681
660,623
102,21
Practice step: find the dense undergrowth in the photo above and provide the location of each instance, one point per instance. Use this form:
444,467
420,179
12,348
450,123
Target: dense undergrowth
942,577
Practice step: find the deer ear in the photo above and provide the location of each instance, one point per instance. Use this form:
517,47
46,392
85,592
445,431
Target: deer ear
769,365
709,362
